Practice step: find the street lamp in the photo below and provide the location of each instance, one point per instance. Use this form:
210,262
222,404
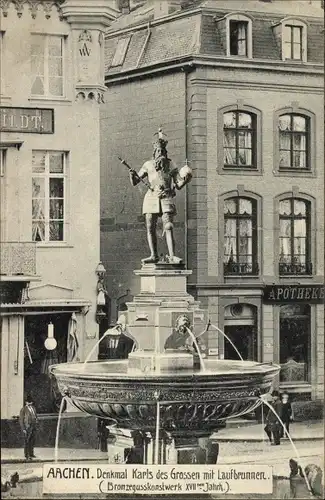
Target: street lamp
50,343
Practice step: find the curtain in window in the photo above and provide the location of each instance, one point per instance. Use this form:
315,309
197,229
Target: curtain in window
241,33
230,241
237,140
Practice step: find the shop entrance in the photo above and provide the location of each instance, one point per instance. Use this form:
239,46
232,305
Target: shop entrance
37,359
241,327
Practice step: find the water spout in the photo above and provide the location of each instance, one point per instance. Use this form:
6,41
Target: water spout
116,330
56,447
289,437
226,336
202,365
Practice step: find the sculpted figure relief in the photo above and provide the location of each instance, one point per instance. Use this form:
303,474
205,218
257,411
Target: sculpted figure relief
162,179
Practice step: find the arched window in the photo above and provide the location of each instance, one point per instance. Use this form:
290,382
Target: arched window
240,325
294,342
294,251
240,236
239,139
294,142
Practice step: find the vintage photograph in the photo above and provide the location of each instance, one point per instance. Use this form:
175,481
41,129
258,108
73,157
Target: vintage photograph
162,249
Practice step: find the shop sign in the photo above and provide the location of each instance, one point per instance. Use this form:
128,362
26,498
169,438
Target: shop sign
279,294
30,120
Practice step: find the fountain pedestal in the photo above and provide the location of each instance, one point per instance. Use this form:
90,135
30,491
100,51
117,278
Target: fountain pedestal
161,393
163,297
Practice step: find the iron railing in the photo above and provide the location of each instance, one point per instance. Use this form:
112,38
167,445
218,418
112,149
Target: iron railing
295,269
240,268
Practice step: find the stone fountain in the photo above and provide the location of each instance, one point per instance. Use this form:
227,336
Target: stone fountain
170,393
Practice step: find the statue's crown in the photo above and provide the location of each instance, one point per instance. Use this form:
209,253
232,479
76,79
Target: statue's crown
160,141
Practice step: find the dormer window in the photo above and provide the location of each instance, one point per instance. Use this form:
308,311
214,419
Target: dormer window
238,31
291,35
292,43
235,30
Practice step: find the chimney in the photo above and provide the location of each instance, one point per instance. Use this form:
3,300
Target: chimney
123,6
165,7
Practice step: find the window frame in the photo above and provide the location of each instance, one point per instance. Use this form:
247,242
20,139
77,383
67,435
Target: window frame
239,18
46,176
292,218
257,141
279,29
256,245
291,133
47,94
309,367
237,131
312,233
310,171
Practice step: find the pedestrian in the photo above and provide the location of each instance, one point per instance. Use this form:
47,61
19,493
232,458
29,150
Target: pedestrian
273,425
287,414
28,423
102,433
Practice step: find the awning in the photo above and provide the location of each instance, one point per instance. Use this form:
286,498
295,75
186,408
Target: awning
46,306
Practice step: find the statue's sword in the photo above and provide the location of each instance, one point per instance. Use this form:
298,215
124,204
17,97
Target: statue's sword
146,183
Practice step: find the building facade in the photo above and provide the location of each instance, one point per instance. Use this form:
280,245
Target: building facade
52,85
240,95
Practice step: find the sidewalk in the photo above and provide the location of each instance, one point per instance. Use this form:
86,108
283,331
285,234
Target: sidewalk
299,431
254,433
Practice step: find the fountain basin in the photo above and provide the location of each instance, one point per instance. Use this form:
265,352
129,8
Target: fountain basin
190,400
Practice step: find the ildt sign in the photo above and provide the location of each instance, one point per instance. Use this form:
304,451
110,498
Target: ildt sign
30,120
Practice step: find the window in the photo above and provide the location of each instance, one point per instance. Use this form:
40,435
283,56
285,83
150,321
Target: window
48,196
240,325
47,65
294,257
292,43
120,52
240,236
238,34
294,141
291,36
294,343
239,132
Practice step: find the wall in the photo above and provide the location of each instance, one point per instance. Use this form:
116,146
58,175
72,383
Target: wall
222,89
133,112
70,265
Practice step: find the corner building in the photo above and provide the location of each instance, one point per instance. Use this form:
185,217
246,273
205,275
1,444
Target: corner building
239,93
52,85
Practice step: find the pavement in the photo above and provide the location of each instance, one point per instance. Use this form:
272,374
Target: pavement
242,444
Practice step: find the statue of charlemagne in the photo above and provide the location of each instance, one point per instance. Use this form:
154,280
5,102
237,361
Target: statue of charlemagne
163,181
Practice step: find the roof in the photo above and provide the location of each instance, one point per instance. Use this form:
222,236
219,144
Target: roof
196,32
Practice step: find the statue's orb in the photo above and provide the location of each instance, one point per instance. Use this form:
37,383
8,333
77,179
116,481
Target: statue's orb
185,171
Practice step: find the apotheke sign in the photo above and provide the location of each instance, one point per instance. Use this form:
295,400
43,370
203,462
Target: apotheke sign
30,120
278,294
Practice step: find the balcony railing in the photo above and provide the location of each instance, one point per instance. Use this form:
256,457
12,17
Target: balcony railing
18,258
240,269
295,269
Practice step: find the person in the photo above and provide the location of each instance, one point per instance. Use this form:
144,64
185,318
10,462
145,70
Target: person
28,423
103,434
286,413
273,425
164,178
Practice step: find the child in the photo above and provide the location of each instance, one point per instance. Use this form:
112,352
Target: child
286,413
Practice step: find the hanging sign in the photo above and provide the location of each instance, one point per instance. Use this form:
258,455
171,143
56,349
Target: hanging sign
279,294
30,120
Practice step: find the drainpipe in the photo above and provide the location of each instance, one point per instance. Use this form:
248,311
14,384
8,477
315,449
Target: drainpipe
186,71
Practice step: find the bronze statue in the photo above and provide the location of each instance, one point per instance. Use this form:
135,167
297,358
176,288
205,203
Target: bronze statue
162,179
